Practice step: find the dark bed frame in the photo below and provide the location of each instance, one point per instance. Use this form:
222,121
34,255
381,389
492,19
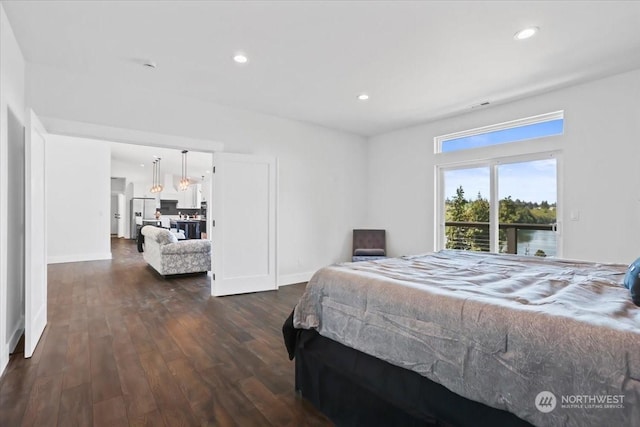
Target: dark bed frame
354,389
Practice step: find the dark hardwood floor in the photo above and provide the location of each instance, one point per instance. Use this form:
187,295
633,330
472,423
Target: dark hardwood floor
125,346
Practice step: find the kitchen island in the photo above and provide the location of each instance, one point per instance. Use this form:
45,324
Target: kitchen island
191,227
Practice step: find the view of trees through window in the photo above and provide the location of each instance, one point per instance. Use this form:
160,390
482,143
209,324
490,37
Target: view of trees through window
526,208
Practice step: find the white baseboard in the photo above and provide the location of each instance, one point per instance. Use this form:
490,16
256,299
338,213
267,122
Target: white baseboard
78,258
292,279
12,342
4,361
38,324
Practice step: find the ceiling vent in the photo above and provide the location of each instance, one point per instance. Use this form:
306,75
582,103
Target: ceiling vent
482,104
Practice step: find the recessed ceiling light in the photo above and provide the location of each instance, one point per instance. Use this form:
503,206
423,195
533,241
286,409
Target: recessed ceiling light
526,33
363,97
240,58
141,165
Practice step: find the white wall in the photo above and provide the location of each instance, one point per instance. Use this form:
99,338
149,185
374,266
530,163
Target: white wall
78,199
600,162
12,96
322,172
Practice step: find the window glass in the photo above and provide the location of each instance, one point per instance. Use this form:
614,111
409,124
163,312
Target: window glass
520,133
466,193
526,206
527,209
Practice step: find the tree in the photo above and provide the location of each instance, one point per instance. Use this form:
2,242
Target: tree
479,211
508,211
459,206
524,216
457,211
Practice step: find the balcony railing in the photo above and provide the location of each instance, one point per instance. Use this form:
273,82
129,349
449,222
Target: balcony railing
475,236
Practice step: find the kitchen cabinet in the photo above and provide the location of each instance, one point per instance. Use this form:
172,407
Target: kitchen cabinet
191,197
191,228
205,187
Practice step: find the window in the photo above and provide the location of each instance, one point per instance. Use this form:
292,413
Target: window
518,130
500,204
467,204
505,206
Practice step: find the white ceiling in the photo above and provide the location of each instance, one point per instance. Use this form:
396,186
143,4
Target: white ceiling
308,60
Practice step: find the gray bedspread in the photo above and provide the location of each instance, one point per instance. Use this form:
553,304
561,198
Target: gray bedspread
497,329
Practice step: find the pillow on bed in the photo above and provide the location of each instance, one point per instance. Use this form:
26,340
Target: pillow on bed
632,281
371,252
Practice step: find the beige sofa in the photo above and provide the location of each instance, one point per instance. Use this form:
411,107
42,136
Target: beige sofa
167,255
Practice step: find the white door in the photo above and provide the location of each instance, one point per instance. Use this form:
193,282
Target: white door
114,214
35,234
121,215
244,235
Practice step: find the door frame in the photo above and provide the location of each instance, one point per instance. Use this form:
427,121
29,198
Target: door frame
5,349
35,245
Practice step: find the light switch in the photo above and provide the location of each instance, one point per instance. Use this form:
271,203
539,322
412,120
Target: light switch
574,216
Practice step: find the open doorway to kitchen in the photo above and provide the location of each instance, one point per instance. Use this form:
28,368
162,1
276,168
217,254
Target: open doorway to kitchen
168,188
236,190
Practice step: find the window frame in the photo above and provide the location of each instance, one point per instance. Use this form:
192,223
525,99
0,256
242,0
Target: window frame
492,164
540,118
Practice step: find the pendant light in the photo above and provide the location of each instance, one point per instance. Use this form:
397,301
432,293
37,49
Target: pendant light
184,181
159,186
156,187
153,180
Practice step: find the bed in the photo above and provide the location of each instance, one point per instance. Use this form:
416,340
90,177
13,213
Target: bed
464,338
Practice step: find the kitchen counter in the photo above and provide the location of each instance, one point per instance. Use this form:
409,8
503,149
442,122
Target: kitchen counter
191,227
147,221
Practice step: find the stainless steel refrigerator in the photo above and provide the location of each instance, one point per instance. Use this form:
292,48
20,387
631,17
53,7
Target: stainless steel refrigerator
141,208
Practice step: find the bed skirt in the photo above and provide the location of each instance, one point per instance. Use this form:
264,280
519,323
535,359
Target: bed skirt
354,389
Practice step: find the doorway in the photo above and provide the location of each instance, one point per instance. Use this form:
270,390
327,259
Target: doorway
117,207
115,216
150,179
